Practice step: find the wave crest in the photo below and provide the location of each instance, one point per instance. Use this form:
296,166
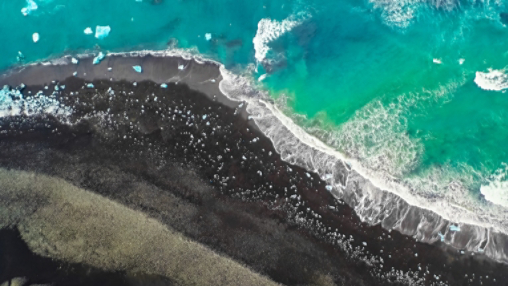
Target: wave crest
496,191
376,200
269,30
495,80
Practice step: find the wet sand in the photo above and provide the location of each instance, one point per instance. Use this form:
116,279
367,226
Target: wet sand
186,157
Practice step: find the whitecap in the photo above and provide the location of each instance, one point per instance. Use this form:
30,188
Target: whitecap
31,6
269,30
376,196
377,199
496,190
398,14
402,13
495,80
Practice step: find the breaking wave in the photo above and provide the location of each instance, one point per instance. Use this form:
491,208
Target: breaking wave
495,80
402,13
425,208
269,30
362,178
496,191
399,14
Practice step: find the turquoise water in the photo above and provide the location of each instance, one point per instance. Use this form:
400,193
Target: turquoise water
381,81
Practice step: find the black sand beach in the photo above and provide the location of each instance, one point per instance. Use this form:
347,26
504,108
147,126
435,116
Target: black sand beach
191,160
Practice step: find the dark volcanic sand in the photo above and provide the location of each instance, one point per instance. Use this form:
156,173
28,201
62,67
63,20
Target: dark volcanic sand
218,181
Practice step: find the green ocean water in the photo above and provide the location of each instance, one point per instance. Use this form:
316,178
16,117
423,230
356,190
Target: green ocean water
390,83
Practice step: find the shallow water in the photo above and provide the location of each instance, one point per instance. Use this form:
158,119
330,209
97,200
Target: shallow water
390,84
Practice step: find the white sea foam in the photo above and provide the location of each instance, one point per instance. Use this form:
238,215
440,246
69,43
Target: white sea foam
269,30
495,80
376,135
30,7
496,190
376,196
399,14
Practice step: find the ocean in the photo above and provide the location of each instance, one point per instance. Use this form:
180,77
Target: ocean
411,94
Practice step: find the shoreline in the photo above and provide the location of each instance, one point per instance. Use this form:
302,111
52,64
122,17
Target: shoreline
240,89
385,186
319,207
364,191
